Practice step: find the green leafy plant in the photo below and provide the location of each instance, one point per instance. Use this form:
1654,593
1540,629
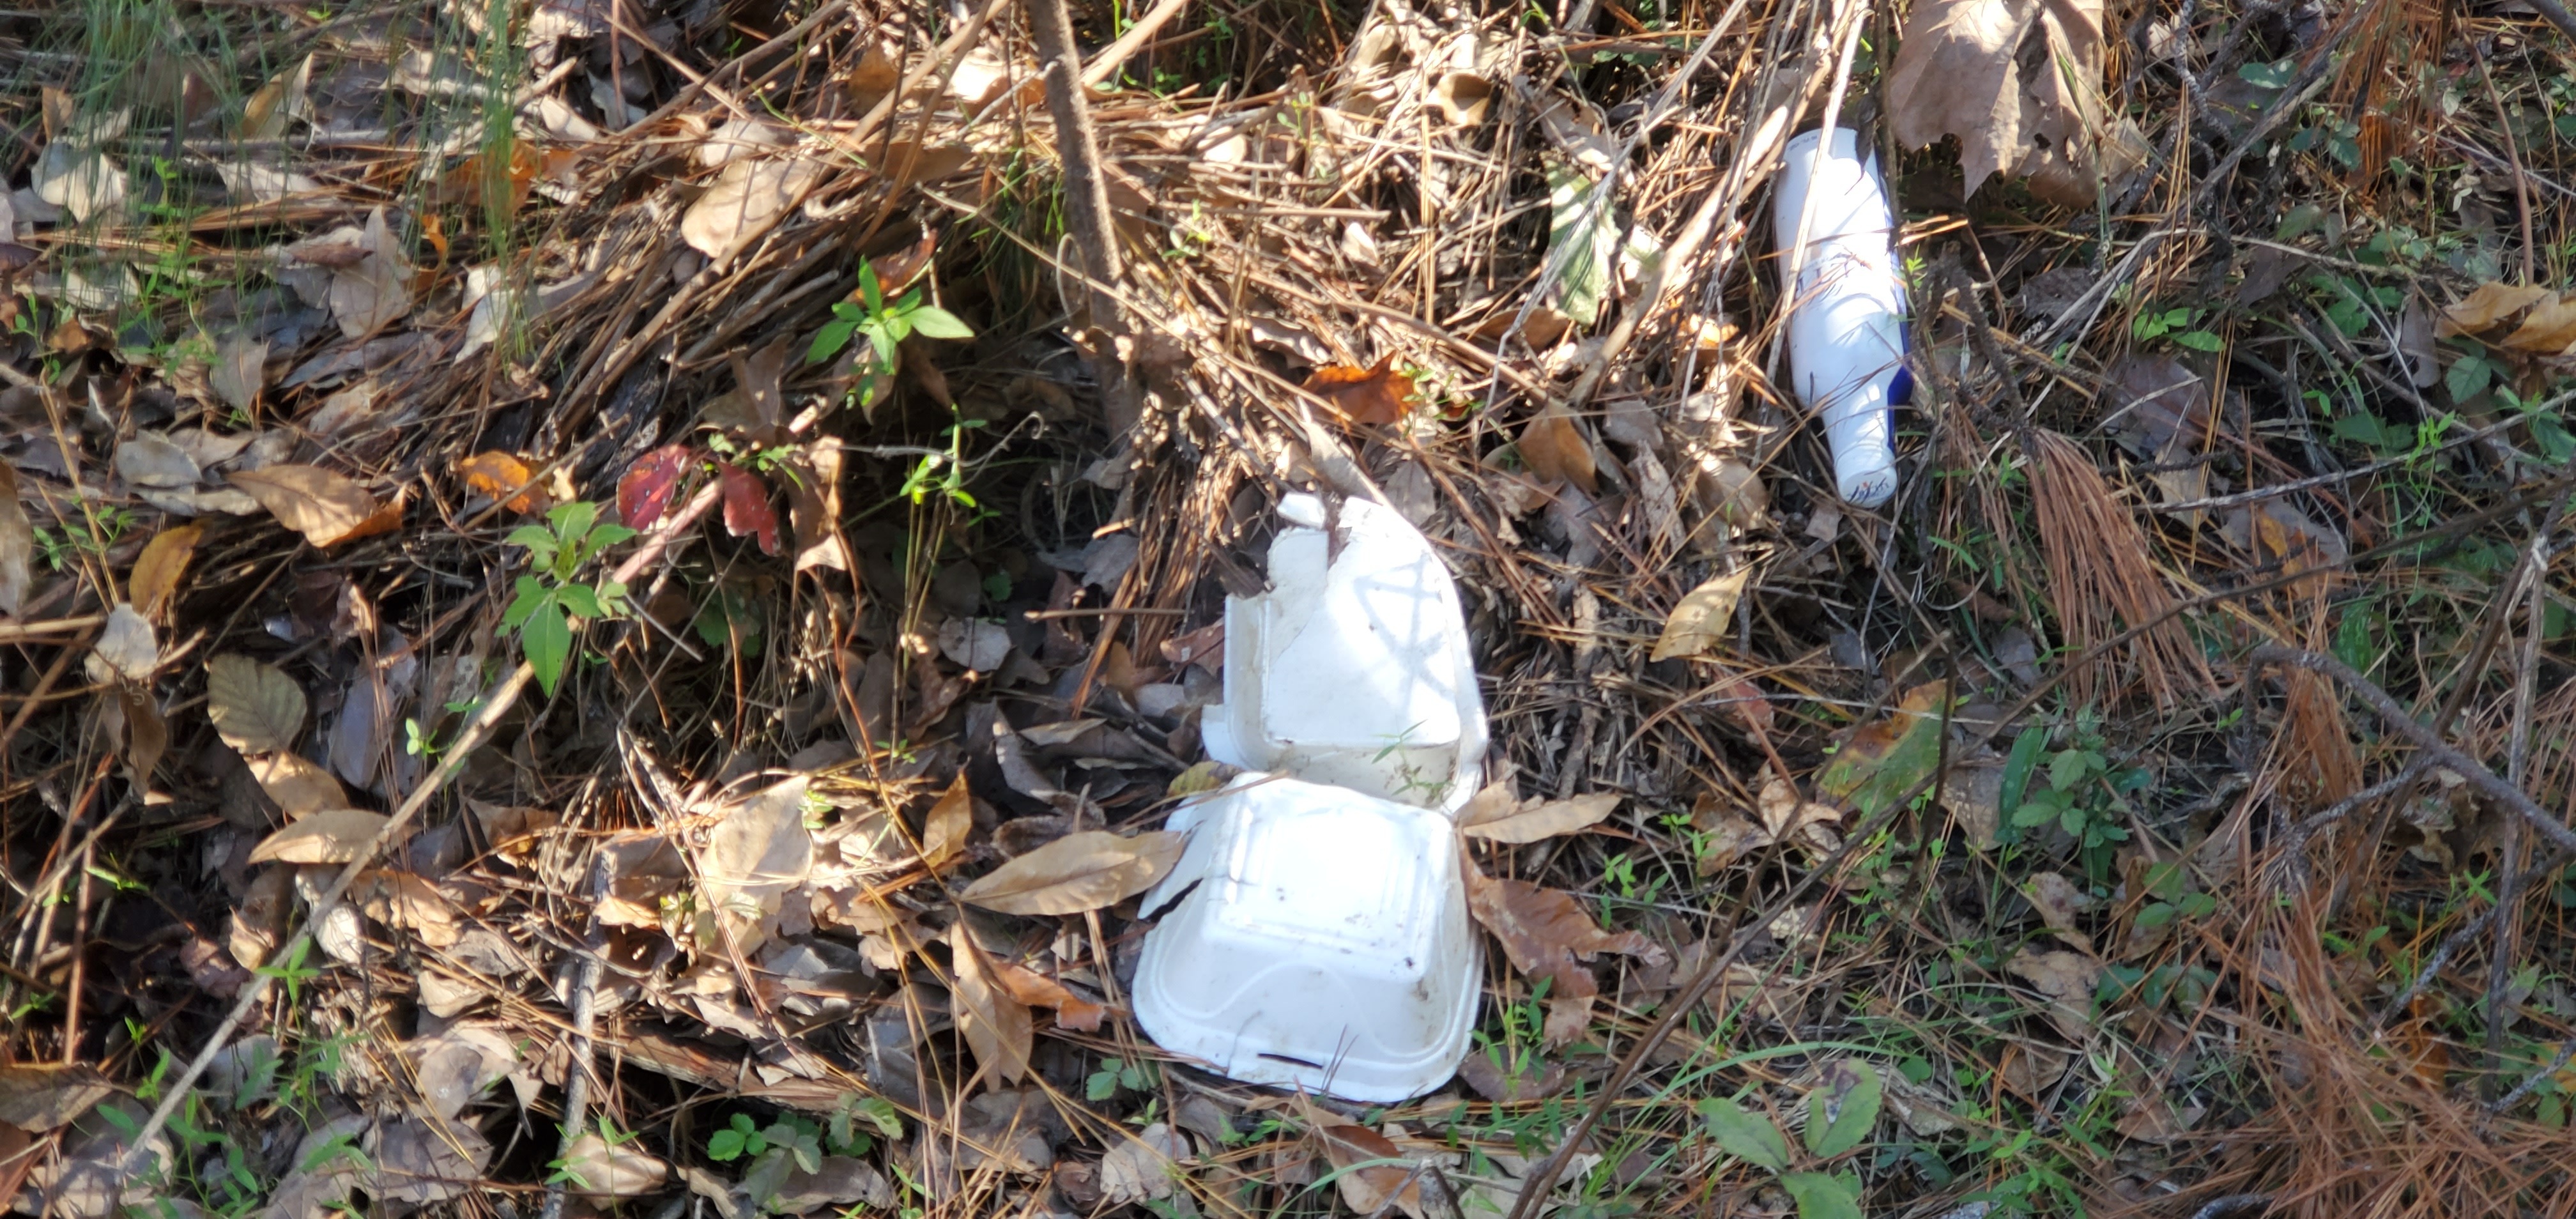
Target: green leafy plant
884,325
2181,325
549,597
794,1142
1840,1114
1116,1074
2082,793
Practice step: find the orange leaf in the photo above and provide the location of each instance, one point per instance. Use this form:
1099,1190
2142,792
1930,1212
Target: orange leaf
1553,448
494,474
2491,303
157,570
1375,394
1034,989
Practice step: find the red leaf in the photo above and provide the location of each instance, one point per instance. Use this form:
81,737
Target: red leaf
747,510
645,493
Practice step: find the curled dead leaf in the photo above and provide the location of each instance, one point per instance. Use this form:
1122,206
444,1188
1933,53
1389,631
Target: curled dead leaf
1553,448
298,785
995,1025
944,830
2488,306
1376,394
493,474
1033,989
1546,932
157,570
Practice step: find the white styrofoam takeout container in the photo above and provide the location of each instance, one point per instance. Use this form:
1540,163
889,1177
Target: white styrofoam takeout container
1315,938
1354,669
1847,310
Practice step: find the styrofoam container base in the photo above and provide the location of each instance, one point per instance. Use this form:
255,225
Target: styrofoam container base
1312,937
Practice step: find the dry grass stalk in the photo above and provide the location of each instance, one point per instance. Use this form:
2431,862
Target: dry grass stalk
2100,581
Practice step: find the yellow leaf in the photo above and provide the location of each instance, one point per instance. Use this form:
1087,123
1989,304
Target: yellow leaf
336,836
2490,304
943,832
326,508
1699,623
157,569
299,787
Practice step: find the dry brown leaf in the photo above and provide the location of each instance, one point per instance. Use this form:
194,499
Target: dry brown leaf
2067,978
157,570
746,197
333,836
403,899
37,1097
2489,305
943,832
17,545
493,474
1368,1191
1958,72
2547,329
126,647
2058,899
995,1025
374,291
147,735
1698,625
1034,989
1553,448
1546,932
256,707
608,1172
1787,818
1376,394
1078,872
1536,820
326,508
297,784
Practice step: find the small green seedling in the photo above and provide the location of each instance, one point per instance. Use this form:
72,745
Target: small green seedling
885,326
1840,1113
548,596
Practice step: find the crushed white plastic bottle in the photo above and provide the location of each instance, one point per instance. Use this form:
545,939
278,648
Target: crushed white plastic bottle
1315,938
1846,326
1354,669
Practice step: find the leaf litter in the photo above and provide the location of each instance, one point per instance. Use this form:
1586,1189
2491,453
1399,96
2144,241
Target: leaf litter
371,327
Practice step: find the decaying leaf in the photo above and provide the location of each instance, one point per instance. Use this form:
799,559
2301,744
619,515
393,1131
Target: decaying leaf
157,570
607,1172
284,98
1078,872
1536,819
2488,307
126,647
37,1097
1786,818
1142,1166
375,290
1698,625
1883,760
1546,932
333,836
147,735
2058,900
1554,449
326,508
298,785
1376,394
748,195
944,830
644,493
760,848
17,545
1582,240
995,1025
256,707
1959,71
2067,978
1369,1190
1034,989
746,507
493,474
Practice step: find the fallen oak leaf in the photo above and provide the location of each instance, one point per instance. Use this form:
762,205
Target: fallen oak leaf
1376,394
1077,873
1537,820
1546,933
326,508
